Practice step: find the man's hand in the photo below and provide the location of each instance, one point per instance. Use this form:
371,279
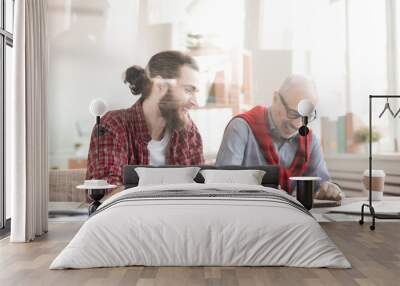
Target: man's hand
329,191
114,191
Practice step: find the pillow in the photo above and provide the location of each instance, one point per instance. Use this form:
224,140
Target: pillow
248,177
163,176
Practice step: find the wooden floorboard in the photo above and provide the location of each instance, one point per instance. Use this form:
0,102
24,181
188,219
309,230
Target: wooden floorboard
374,255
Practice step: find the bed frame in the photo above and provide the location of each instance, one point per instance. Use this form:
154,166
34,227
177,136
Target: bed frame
270,179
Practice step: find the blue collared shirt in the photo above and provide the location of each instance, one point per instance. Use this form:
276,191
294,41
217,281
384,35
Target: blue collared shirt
240,147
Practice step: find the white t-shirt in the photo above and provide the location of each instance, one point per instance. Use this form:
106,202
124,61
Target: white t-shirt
157,150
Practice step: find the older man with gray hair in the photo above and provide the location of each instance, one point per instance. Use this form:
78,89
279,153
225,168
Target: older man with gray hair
269,136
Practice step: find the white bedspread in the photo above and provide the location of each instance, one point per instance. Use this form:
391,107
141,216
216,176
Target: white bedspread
182,231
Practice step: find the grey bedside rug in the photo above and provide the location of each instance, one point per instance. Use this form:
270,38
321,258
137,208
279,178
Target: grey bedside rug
381,207
68,211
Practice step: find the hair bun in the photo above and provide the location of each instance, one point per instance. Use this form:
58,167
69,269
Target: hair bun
136,77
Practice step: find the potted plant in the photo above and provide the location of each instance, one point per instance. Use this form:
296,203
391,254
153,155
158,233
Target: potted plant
361,136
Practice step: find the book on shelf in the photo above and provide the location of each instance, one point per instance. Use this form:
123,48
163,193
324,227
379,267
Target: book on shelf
328,135
337,136
353,123
341,134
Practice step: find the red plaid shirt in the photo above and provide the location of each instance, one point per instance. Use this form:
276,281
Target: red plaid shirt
125,142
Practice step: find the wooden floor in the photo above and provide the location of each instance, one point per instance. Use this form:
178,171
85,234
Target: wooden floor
375,257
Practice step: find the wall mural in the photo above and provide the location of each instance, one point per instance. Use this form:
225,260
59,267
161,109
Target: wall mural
177,92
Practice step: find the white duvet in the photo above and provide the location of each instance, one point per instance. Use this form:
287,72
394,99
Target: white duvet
200,231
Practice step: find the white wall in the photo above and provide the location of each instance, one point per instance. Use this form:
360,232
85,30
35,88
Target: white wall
270,68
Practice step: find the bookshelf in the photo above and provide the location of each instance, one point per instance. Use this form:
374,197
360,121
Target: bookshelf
337,136
226,78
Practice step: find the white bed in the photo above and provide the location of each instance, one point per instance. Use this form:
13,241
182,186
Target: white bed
225,225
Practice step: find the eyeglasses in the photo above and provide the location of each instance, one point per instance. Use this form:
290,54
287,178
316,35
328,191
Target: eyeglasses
294,114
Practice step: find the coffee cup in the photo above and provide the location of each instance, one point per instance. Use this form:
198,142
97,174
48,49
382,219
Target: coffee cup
305,190
377,183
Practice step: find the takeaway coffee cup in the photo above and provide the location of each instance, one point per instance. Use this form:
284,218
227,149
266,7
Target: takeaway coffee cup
305,190
377,185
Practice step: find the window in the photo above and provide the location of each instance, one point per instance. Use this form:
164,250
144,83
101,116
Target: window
350,48
6,43
368,64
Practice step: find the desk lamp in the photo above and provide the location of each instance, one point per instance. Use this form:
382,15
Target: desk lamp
96,187
306,109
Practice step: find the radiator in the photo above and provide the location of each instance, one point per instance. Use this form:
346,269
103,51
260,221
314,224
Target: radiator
347,170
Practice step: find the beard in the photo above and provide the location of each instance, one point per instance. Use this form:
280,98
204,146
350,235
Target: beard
171,111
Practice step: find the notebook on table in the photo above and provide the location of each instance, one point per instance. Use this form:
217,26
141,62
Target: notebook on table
325,203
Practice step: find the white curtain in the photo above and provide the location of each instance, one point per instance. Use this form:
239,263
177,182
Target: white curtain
28,120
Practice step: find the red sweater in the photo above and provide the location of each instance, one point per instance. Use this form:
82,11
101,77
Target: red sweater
257,120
